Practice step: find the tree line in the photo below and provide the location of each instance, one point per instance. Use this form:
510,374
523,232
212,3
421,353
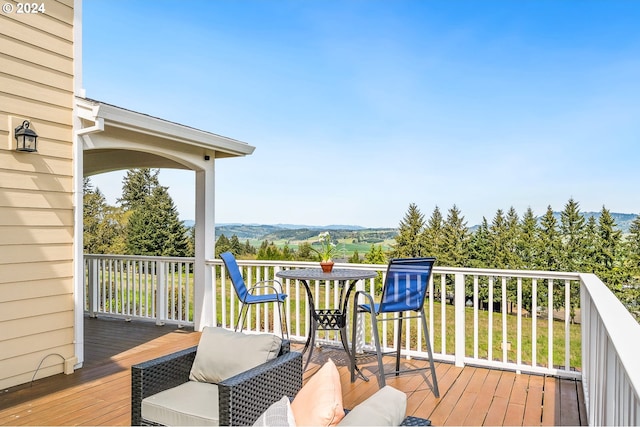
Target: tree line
146,222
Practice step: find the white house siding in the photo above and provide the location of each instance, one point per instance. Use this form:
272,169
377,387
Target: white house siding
36,194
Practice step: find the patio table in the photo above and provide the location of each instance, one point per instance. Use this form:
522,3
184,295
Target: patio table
327,318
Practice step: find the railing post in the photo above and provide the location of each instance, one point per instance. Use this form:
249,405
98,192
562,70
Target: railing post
92,277
161,292
459,301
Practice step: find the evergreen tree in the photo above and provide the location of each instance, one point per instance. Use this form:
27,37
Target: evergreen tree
269,251
527,244
498,240
432,234
222,245
104,225
549,255
633,249
512,236
137,186
480,255
354,258
409,243
94,207
155,229
608,252
590,244
248,249
455,242
235,246
549,241
375,255
572,231
305,253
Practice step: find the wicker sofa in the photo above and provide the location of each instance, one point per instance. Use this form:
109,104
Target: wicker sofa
242,398
169,390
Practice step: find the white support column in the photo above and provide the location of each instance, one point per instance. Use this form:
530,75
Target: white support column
205,241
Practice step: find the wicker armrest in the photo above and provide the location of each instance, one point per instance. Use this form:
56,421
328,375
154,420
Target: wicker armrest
154,376
244,397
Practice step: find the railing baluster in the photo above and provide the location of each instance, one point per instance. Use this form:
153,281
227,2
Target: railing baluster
490,322
475,316
534,322
550,307
567,317
504,319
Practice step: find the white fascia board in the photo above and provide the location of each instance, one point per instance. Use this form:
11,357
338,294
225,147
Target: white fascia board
131,120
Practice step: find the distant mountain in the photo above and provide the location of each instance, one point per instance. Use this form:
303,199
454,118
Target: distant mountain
302,232
623,220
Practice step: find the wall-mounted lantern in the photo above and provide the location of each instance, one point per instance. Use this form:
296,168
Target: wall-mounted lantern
26,139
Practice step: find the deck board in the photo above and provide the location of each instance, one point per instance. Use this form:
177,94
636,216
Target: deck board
100,393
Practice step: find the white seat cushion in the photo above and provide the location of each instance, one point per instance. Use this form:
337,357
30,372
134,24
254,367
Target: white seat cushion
190,404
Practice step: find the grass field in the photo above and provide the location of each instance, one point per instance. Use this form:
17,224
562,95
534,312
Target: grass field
346,247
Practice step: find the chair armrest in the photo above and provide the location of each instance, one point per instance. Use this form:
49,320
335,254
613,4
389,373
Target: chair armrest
244,397
154,376
260,285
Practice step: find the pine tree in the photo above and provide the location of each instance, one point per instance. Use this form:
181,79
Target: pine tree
137,186
633,249
590,245
549,241
235,246
305,253
512,235
354,258
432,234
526,244
94,207
155,229
608,253
572,231
498,241
455,242
409,243
222,245
479,246
104,225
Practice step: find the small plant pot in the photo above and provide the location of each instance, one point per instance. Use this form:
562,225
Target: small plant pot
326,266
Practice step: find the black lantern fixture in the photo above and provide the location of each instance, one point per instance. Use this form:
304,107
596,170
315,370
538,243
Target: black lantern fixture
26,139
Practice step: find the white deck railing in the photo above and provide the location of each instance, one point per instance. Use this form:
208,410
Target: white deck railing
530,328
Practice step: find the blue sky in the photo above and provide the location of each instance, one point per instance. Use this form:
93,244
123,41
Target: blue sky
359,108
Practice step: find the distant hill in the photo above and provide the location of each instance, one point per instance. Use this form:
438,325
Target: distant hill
281,231
622,220
303,232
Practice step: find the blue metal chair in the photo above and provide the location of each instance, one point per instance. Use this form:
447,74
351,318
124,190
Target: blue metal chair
404,290
247,296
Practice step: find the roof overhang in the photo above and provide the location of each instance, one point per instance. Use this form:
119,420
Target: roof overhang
115,138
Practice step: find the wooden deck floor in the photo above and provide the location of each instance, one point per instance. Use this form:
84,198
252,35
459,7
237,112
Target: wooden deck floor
99,393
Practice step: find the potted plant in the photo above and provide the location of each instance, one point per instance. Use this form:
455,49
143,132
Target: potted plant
326,252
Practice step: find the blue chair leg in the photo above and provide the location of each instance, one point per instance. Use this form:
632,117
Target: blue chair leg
436,391
242,317
376,338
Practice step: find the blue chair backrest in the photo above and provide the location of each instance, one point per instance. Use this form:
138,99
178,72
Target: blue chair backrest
235,275
406,283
